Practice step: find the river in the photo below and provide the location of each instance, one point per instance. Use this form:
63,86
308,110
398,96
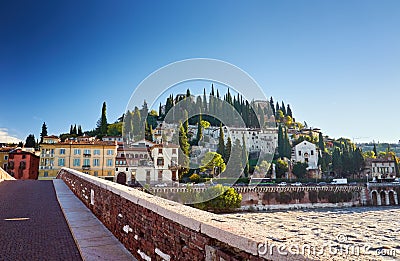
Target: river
355,233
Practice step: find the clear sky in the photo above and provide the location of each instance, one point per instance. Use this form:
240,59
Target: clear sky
337,63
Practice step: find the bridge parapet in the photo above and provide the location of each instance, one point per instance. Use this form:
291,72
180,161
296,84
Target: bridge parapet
155,228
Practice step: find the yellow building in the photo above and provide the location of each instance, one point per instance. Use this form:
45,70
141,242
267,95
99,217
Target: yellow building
84,154
4,157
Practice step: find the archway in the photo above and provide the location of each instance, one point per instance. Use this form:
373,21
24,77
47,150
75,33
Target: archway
121,178
374,198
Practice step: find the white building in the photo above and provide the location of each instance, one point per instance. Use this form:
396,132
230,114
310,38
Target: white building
147,163
383,168
306,152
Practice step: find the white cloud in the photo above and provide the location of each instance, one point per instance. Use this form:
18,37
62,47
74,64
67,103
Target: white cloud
5,137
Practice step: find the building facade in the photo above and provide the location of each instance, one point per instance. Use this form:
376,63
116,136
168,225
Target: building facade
147,163
23,164
383,168
84,154
4,154
307,152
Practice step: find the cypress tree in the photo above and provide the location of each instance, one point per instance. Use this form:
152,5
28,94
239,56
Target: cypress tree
74,130
374,150
71,130
321,143
44,132
101,123
227,150
221,142
283,109
79,132
271,103
289,111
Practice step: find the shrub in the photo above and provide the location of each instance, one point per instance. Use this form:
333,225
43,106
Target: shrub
224,199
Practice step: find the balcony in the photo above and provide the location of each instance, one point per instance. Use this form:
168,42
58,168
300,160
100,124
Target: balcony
86,167
47,155
87,155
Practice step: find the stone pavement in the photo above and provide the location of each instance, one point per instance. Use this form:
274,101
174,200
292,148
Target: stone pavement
32,225
95,241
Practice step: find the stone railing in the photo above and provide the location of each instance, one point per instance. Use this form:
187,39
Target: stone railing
153,228
5,176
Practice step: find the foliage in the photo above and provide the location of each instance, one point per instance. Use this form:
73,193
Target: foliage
194,178
114,129
223,199
281,168
211,161
300,169
30,141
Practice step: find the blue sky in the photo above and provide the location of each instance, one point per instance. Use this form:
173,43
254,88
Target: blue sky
336,62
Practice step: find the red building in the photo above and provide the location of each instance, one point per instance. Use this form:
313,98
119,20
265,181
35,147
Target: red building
23,164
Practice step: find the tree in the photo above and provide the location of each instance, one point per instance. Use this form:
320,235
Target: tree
30,141
199,135
281,168
44,132
289,111
74,131
300,169
263,168
102,122
221,142
223,199
211,161
374,150
321,144
71,130
80,133
114,129
183,152
227,150
337,163
136,122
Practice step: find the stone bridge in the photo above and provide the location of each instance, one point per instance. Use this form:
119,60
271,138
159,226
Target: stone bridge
383,194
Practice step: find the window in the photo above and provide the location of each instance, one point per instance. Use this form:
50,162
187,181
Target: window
173,151
77,151
96,152
96,162
86,162
77,162
160,176
23,156
299,152
109,162
61,162
160,161
86,151
148,177
5,157
312,152
46,174
110,152
109,173
62,151
96,173
160,151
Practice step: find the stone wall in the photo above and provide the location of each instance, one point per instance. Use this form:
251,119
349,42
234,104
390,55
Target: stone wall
153,228
5,176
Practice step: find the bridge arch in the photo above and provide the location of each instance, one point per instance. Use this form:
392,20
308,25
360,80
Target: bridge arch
375,199
121,178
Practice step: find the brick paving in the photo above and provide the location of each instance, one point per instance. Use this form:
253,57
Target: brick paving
45,235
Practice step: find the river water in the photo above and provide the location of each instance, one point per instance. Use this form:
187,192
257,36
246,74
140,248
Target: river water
356,233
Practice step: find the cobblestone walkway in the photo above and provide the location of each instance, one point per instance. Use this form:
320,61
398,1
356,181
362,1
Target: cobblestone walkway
32,225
